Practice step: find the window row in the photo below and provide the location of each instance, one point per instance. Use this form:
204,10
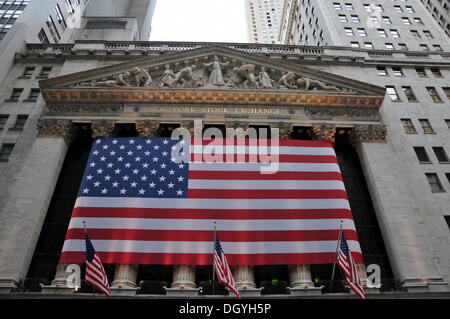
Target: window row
384,33
424,124
372,7
5,152
420,71
411,97
375,20
18,125
17,93
435,183
44,74
423,157
392,46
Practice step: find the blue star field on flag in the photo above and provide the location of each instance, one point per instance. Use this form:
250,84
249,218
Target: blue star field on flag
135,167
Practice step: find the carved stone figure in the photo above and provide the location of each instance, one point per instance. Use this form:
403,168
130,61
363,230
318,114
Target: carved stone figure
121,79
246,76
184,76
141,77
287,80
167,77
215,69
264,79
309,84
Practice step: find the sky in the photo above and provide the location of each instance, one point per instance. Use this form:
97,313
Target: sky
199,21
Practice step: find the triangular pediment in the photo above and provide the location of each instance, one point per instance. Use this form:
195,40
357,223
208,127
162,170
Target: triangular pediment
211,68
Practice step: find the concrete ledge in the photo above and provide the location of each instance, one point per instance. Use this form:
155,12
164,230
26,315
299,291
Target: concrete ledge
57,290
249,292
182,292
306,291
122,291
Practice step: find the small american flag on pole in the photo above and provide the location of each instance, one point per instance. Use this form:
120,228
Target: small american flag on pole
348,265
95,273
223,270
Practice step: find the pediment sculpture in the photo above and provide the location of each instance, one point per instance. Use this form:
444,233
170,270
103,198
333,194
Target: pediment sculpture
213,74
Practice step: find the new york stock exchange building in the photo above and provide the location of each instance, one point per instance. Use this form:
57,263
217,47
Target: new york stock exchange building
124,92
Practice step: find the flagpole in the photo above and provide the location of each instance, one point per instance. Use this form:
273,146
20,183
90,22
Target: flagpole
214,251
335,256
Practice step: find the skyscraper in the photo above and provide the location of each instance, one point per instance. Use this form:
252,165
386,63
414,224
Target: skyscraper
264,20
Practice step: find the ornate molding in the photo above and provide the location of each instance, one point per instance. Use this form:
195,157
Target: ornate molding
323,132
102,128
55,128
368,134
147,127
285,130
328,113
84,108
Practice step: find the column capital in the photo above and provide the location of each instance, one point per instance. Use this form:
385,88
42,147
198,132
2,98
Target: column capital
102,128
55,128
147,128
285,129
368,133
321,132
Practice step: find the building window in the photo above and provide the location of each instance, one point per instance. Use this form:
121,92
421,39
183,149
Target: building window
20,122
28,71
355,19
415,34
343,18
435,183
389,46
440,154
448,179
382,71
428,34
436,72
437,47
337,6
34,94
418,21
16,95
421,154
395,34
402,46
424,47
406,20
409,9
392,92
6,151
43,37
3,120
349,6
433,94
354,44
45,72
398,9
421,72
426,126
386,20
381,33
397,71
409,93
362,32
448,123
368,45
60,17
349,31
408,126
447,92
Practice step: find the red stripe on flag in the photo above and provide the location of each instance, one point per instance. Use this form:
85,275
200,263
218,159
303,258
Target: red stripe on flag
266,193
196,235
256,175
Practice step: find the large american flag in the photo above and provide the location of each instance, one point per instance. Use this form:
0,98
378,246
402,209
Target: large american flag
347,264
222,269
143,206
95,273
